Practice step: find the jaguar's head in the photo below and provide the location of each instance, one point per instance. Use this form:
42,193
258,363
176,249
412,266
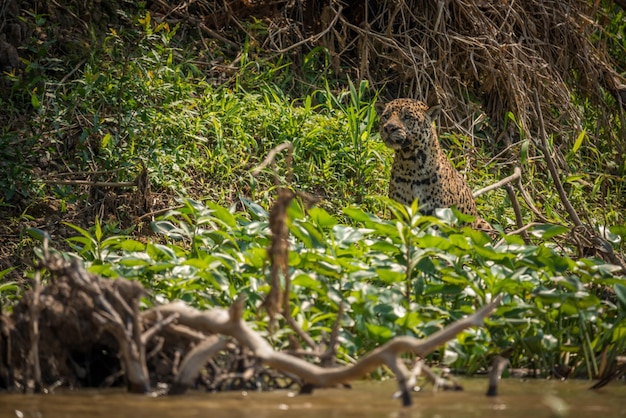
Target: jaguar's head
406,123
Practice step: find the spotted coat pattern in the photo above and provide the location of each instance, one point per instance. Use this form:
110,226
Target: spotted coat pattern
420,168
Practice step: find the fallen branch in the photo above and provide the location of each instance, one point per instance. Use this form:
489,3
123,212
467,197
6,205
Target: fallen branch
35,308
230,323
517,174
495,373
196,359
92,183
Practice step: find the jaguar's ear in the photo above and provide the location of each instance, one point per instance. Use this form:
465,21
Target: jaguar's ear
433,112
380,107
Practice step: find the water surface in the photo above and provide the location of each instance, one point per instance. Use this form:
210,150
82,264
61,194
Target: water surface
531,398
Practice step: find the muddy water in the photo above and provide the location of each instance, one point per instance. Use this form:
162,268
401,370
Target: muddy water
535,399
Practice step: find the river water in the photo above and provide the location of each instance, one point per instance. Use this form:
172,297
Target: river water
517,399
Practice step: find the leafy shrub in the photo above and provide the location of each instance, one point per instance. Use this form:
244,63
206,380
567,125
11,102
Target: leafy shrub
394,276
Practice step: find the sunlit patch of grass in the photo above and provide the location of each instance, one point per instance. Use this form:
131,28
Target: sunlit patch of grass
140,100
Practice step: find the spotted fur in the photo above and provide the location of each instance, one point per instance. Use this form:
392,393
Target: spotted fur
420,168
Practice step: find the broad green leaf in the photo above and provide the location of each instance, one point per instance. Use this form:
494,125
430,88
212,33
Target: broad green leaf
410,320
321,217
360,215
195,205
548,258
34,100
37,234
223,214
390,276
295,210
380,332
302,234
80,230
319,241
489,253
104,270
547,231
346,235
132,245
434,241
619,230
167,228
306,281
159,251
620,292
104,142
579,141
134,262
425,264
385,247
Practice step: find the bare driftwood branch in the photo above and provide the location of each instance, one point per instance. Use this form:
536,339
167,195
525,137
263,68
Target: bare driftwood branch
497,367
35,308
517,174
195,360
230,323
157,327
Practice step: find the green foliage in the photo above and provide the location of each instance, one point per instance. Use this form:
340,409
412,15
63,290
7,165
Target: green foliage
9,290
395,276
144,98
140,100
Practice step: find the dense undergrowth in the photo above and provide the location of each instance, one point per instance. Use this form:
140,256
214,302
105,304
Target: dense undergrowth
142,99
395,276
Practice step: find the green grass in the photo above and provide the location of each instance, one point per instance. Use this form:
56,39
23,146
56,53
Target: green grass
145,107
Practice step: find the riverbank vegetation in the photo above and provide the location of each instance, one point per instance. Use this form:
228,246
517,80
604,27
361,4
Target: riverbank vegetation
132,134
